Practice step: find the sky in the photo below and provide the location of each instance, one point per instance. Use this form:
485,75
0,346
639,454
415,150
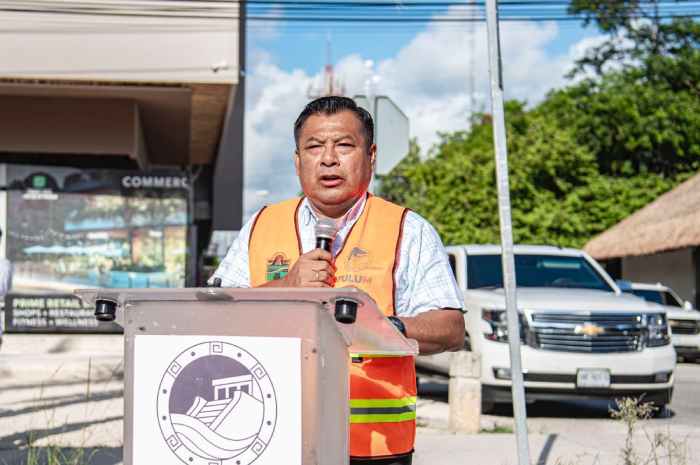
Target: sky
424,68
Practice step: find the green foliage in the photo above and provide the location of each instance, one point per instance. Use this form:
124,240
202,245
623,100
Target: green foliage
558,195
638,38
55,455
497,429
643,117
609,15
586,157
633,127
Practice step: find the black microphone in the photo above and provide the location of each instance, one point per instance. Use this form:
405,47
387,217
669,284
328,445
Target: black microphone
345,309
325,234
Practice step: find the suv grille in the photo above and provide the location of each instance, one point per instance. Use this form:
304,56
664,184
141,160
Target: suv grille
684,326
591,333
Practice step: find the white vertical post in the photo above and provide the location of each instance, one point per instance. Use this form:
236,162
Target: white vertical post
501,155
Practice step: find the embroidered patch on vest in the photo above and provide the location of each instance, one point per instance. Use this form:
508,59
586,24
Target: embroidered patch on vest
277,267
358,259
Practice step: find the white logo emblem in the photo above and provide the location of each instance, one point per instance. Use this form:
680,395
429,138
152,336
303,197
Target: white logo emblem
216,405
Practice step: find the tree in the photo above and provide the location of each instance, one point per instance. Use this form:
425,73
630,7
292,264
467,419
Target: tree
633,127
643,116
665,52
587,156
558,195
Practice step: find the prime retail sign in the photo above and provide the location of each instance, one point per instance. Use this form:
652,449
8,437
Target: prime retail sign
64,313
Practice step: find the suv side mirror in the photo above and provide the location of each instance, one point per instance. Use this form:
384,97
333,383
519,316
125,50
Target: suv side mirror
624,285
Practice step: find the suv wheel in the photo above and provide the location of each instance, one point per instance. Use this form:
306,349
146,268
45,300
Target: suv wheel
662,411
467,342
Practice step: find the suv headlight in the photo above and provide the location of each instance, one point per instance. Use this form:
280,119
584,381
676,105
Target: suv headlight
657,333
497,325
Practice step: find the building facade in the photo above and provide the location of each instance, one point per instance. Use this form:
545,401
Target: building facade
121,142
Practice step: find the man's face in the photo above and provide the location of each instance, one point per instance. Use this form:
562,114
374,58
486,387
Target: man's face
332,162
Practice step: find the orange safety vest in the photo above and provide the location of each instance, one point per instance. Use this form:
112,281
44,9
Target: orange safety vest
382,389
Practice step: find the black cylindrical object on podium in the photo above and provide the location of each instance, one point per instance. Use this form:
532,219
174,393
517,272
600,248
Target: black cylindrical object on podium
105,310
345,311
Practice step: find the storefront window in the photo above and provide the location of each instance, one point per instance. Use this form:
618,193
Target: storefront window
67,228
120,231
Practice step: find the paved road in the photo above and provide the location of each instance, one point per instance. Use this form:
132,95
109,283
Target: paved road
577,433
686,396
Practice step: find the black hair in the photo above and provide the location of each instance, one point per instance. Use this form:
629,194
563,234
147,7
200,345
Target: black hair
330,106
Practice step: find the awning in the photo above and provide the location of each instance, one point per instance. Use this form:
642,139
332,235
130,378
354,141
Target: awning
152,124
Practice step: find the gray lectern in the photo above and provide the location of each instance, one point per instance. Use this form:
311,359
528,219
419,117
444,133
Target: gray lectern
235,376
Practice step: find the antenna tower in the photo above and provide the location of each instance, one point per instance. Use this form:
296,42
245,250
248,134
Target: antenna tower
329,85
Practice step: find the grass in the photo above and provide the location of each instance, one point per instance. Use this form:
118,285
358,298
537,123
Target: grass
56,455
663,448
53,454
498,429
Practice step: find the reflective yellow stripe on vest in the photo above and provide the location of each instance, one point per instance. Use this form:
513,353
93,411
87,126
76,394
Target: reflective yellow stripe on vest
354,355
382,410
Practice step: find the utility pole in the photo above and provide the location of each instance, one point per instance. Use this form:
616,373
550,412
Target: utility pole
472,61
504,209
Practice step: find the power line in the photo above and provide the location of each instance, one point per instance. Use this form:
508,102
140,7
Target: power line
227,7
340,19
310,12
526,16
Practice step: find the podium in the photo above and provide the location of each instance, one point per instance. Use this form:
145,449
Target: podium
235,376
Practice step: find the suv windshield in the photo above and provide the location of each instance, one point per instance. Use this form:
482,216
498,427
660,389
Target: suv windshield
660,297
484,271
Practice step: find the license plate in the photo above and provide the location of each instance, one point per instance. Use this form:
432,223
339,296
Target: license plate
593,378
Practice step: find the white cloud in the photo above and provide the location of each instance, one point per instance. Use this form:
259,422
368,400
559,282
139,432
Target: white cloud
274,100
579,50
428,79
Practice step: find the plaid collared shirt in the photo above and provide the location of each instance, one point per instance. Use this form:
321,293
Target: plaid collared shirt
423,277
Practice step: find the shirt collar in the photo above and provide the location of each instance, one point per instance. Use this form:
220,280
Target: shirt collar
309,216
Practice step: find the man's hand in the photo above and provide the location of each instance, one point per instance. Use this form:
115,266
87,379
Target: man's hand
313,269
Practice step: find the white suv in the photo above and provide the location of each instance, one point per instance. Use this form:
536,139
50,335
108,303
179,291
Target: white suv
581,336
683,319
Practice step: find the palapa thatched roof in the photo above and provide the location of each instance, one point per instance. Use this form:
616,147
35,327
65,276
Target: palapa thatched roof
670,222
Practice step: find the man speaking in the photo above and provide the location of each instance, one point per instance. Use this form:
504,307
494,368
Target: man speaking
389,252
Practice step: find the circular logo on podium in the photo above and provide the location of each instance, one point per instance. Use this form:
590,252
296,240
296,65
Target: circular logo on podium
216,405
